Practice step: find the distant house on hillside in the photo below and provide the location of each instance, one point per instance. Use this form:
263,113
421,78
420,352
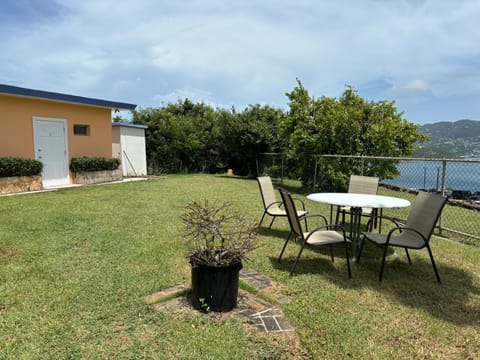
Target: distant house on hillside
54,128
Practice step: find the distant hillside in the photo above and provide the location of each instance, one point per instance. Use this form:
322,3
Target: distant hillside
451,139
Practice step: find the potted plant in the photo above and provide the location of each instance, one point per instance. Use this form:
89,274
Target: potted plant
217,240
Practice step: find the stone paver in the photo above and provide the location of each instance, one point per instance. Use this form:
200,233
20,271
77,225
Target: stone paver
264,283
263,316
256,279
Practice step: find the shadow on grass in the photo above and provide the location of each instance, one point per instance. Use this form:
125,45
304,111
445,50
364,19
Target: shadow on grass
235,177
320,264
294,188
455,300
290,185
281,234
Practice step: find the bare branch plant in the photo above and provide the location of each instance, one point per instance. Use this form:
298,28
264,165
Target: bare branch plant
215,235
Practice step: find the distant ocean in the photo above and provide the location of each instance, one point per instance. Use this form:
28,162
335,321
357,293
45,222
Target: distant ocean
428,175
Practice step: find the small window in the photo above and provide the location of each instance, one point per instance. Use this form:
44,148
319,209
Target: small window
81,130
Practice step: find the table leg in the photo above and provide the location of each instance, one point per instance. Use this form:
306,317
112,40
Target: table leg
355,221
380,221
376,220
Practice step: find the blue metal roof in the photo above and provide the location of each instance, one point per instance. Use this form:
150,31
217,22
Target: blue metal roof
19,91
138,126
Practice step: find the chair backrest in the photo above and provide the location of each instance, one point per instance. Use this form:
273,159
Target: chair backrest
266,190
425,213
292,214
363,184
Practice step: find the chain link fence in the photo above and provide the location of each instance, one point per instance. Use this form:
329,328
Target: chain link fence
459,179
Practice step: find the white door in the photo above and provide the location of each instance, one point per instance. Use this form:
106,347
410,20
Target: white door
50,141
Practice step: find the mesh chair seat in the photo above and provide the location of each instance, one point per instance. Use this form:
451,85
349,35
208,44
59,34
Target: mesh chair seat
325,237
406,239
277,211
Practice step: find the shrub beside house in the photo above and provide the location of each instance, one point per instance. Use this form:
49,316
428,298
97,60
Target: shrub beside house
91,170
20,175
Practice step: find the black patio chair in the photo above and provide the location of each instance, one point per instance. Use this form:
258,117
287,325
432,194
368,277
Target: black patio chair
271,206
320,236
417,231
360,185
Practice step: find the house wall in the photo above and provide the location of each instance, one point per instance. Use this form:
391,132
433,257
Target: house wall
116,145
16,126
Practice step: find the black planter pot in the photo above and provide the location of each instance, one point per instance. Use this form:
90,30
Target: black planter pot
215,288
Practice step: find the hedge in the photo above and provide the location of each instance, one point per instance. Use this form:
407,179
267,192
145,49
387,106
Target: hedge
86,163
15,166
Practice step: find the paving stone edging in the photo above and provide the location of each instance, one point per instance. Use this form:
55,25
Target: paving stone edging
260,314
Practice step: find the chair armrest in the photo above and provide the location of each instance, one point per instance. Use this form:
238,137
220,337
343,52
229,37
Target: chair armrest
395,222
274,203
300,201
308,216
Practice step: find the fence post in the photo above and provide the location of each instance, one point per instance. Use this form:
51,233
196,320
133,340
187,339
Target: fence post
444,181
281,180
315,174
444,176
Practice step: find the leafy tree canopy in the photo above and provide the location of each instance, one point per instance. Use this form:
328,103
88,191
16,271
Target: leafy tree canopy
194,137
188,137
349,125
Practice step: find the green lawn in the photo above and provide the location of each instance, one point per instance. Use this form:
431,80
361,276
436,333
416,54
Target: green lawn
75,266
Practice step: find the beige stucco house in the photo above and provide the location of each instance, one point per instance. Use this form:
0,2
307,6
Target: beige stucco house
54,128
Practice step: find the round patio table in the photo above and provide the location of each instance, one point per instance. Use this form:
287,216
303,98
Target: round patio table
356,202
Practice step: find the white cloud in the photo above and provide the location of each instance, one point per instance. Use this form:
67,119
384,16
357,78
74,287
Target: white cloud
412,88
245,52
165,58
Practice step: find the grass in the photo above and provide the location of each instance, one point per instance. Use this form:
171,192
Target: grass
75,267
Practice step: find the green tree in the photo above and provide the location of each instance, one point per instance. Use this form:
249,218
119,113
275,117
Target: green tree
119,119
349,125
179,136
246,134
188,137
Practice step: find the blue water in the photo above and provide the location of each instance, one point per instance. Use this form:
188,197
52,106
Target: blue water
428,175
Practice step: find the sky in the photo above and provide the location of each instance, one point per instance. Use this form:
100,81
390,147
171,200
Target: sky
422,54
